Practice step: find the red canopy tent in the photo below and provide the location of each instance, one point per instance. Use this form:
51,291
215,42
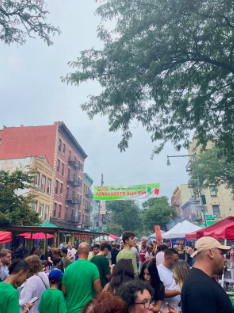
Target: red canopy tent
221,230
5,236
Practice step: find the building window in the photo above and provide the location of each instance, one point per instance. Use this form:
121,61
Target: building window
67,192
48,186
69,173
213,192
72,212
77,216
46,213
58,165
37,180
41,210
62,168
64,149
56,187
216,210
43,183
60,145
69,154
55,206
61,189
34,207
59,212
66,209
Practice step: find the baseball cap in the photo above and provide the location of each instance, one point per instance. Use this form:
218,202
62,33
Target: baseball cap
206,243
55,275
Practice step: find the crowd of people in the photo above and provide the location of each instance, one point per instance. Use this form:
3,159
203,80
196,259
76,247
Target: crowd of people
121,278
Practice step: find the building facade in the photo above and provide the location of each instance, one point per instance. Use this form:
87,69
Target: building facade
65,156
219,203
42,187
181,195
88,182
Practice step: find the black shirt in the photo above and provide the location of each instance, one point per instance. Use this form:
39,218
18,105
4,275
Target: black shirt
114,253
202,294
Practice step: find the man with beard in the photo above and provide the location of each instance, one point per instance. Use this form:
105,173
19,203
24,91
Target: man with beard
200,292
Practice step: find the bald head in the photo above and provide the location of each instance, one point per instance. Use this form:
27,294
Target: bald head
83,250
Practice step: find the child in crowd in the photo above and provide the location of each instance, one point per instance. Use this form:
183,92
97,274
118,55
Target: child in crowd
57,263
52,299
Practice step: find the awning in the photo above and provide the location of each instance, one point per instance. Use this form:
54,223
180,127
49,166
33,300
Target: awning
5,237
35,236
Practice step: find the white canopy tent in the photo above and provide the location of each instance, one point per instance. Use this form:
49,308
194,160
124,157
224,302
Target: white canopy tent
180,230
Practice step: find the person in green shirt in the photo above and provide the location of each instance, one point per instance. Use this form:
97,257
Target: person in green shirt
126,253
65,259
80,281
52,299
9,299
102,263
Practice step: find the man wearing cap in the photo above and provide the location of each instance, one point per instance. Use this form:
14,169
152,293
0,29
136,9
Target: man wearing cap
200,292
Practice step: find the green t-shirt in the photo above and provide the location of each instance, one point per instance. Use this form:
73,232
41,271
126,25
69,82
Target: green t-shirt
52,300
9,299
78,279
102,264
127,254
66,262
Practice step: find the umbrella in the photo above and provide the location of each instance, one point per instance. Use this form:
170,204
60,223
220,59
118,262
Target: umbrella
5,237
38,236
113,237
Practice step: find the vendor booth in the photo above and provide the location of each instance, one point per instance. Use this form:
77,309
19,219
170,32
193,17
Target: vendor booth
179,231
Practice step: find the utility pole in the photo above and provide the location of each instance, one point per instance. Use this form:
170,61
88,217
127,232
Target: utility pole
198,180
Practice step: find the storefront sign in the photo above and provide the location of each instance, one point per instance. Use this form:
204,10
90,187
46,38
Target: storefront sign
137,192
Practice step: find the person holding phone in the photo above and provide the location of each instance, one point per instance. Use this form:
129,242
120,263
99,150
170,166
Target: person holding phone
9,300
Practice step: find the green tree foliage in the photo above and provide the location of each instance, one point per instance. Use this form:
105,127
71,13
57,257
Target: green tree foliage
16,209
167,65
126,214
24,18
213,169
114,229
157,211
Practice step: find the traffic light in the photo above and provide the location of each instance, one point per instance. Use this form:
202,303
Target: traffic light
203,199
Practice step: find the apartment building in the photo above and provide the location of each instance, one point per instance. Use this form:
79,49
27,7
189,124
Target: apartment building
181,195
65,156
42,187
88,182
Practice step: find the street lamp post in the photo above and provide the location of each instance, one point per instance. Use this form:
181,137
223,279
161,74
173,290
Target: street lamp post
198,180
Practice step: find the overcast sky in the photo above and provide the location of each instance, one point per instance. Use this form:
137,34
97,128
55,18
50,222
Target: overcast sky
31,93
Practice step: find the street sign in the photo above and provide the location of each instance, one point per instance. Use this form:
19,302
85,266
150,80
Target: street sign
209,217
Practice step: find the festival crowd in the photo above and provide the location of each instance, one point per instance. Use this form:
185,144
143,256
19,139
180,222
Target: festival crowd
113,278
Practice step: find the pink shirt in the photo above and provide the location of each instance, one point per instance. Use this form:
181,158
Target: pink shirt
159,258
232,255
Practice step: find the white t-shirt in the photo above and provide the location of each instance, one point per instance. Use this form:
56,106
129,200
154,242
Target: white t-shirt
165,275
149,255
71,253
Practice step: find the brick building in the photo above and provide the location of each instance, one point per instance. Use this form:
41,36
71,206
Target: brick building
66,157
88,181
181,195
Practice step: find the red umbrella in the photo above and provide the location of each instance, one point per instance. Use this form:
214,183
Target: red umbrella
23,235
38,236
5,236
113,236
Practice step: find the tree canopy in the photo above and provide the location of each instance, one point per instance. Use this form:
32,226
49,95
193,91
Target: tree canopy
167,65
213,169
16,209
125,214
157,211
24,18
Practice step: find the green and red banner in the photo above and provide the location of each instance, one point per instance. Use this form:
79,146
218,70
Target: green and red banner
135,192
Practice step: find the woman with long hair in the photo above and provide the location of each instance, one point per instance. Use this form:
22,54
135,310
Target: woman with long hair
9,299
37,283
180,272
149,274
123,272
